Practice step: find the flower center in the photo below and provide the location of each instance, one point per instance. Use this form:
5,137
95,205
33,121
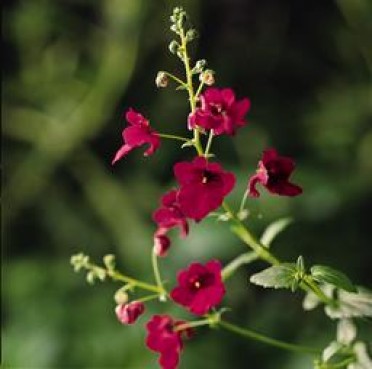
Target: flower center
216,109
207,176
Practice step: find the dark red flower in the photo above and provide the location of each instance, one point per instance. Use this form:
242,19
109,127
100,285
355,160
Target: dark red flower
273,173
203,186
200,287
220,111
137,134
163,338
168,216
129,313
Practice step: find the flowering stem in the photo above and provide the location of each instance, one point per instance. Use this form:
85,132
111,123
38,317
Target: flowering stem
270,341
190,89
240,260
209,143
173,137
155,266
115,275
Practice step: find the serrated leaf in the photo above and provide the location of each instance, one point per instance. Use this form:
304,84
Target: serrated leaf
277,276
351,305
273,229
323,273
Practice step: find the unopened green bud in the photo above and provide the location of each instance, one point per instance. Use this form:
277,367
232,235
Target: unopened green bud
161,79
174,28
100,273
199,66
207,77
191,34
109,261
121,297
90,277
173,47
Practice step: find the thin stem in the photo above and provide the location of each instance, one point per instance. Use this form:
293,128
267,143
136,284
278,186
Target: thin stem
236,263
308,281
173,137
176,79
198,91
343,363
209,143
269,341
148,298
115,275
190,89
197,323
244,200
155,267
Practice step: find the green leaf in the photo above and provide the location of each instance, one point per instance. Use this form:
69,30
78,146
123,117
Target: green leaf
351,305
277,276
322,273
273,230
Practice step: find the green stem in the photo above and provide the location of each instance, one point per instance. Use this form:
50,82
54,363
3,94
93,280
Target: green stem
197,323
155,267
148,298
343,363
308,282
209,143
247,237
263,253
236,263
115,275
269,341
198,91
173,137
190,89
176,79
244,200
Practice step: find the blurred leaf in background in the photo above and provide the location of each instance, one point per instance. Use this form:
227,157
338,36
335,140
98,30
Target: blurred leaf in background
70,70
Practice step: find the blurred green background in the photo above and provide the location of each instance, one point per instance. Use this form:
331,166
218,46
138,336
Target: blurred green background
72,67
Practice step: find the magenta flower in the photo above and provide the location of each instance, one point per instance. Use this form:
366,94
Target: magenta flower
203,186
220,111
200,287
273,173
137,134
129,313
168,216
163,338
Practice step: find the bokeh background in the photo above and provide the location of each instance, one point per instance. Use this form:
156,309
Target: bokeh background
72,67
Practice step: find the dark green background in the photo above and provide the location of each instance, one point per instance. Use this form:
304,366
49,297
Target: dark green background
72,67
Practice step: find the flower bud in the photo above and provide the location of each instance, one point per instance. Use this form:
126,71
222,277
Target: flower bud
161,79
129,313
191,34
173,47
161,245
109,261
121,297
207,77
